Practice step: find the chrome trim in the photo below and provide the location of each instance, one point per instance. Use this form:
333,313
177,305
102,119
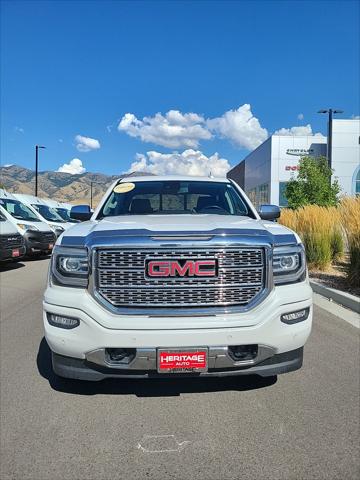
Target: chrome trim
146,358
214,243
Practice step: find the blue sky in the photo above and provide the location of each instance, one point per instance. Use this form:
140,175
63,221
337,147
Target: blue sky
76,68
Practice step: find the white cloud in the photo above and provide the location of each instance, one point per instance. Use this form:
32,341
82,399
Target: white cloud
297,131
172,130
355,117
19,129
75,166
8,165
239,126
176,129
300,116
189,162
85,144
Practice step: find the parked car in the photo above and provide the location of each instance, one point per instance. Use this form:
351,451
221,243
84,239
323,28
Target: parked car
12,244
61,209
46,213
177,275
39,238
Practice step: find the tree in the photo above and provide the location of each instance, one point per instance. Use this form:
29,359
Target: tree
313,185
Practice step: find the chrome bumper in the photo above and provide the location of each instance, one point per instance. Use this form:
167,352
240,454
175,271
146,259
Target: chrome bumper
146,358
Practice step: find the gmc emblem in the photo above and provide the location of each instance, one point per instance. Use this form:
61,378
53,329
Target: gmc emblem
181,268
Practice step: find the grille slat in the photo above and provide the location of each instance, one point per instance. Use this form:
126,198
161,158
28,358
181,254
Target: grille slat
120,278
11,241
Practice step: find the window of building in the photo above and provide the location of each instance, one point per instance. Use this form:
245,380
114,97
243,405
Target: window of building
356,181
259,195
282,197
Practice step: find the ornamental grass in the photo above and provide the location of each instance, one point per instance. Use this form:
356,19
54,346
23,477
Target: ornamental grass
321,232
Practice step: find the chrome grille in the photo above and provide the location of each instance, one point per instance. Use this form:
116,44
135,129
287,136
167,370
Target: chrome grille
120,278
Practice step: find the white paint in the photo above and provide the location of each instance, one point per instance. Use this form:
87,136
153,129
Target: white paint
161,444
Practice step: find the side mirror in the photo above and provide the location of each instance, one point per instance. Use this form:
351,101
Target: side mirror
269,212
81,212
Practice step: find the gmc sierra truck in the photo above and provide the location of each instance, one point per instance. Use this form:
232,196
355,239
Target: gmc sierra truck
176,276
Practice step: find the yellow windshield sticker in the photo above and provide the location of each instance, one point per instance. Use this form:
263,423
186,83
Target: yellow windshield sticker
124,187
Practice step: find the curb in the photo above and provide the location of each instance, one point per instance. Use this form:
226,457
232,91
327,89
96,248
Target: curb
343,298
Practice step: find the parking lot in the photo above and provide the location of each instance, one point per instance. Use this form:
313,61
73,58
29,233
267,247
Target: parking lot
302,425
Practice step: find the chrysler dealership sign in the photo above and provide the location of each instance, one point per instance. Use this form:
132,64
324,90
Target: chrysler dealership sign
300,151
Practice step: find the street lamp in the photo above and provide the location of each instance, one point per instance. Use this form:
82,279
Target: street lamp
36,166
330,113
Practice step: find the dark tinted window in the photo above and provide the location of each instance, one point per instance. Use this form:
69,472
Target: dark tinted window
176,197
48,213
18,210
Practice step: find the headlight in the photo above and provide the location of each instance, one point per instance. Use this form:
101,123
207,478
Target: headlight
57,228
25,227
289,265
70,266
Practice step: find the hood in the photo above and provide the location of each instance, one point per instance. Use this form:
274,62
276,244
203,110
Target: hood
174,225
7,228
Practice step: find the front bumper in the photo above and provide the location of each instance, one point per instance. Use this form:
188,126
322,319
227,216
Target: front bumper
100,329
80,369
7,253
37,241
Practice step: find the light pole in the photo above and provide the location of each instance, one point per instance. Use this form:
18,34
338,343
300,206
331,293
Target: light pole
330,113
37,166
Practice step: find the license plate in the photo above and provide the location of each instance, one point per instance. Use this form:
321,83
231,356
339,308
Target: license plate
16,252
185,360
51,246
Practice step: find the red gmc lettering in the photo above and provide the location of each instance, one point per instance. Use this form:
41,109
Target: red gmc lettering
172,268
158,269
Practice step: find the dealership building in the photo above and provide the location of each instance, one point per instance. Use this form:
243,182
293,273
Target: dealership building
264,173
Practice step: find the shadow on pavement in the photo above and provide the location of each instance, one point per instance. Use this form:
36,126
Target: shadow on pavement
6,266
146,387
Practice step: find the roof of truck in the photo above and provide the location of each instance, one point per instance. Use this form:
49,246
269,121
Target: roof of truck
178,178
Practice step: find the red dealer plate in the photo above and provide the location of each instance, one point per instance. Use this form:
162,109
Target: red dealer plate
185,360
16,252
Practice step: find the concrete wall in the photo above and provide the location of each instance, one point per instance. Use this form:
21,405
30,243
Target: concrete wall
346,153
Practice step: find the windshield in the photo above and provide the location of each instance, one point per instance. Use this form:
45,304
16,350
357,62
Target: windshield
64,214
18,210
48,213
174,197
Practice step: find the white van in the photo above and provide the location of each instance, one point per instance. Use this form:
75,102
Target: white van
38,236
62,209
45,213
12,244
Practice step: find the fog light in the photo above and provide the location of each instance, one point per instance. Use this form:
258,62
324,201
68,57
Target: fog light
295,317
243,352
62,322
121,355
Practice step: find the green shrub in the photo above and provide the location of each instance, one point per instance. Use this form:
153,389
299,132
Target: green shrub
337,244
354,263
318,249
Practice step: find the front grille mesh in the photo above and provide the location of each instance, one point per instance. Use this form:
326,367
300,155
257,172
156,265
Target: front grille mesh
120,278
11,241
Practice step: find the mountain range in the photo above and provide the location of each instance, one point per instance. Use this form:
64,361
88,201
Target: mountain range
63,187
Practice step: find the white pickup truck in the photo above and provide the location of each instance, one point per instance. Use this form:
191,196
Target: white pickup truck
176,276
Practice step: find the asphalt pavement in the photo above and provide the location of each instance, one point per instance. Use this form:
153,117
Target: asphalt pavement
302,425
